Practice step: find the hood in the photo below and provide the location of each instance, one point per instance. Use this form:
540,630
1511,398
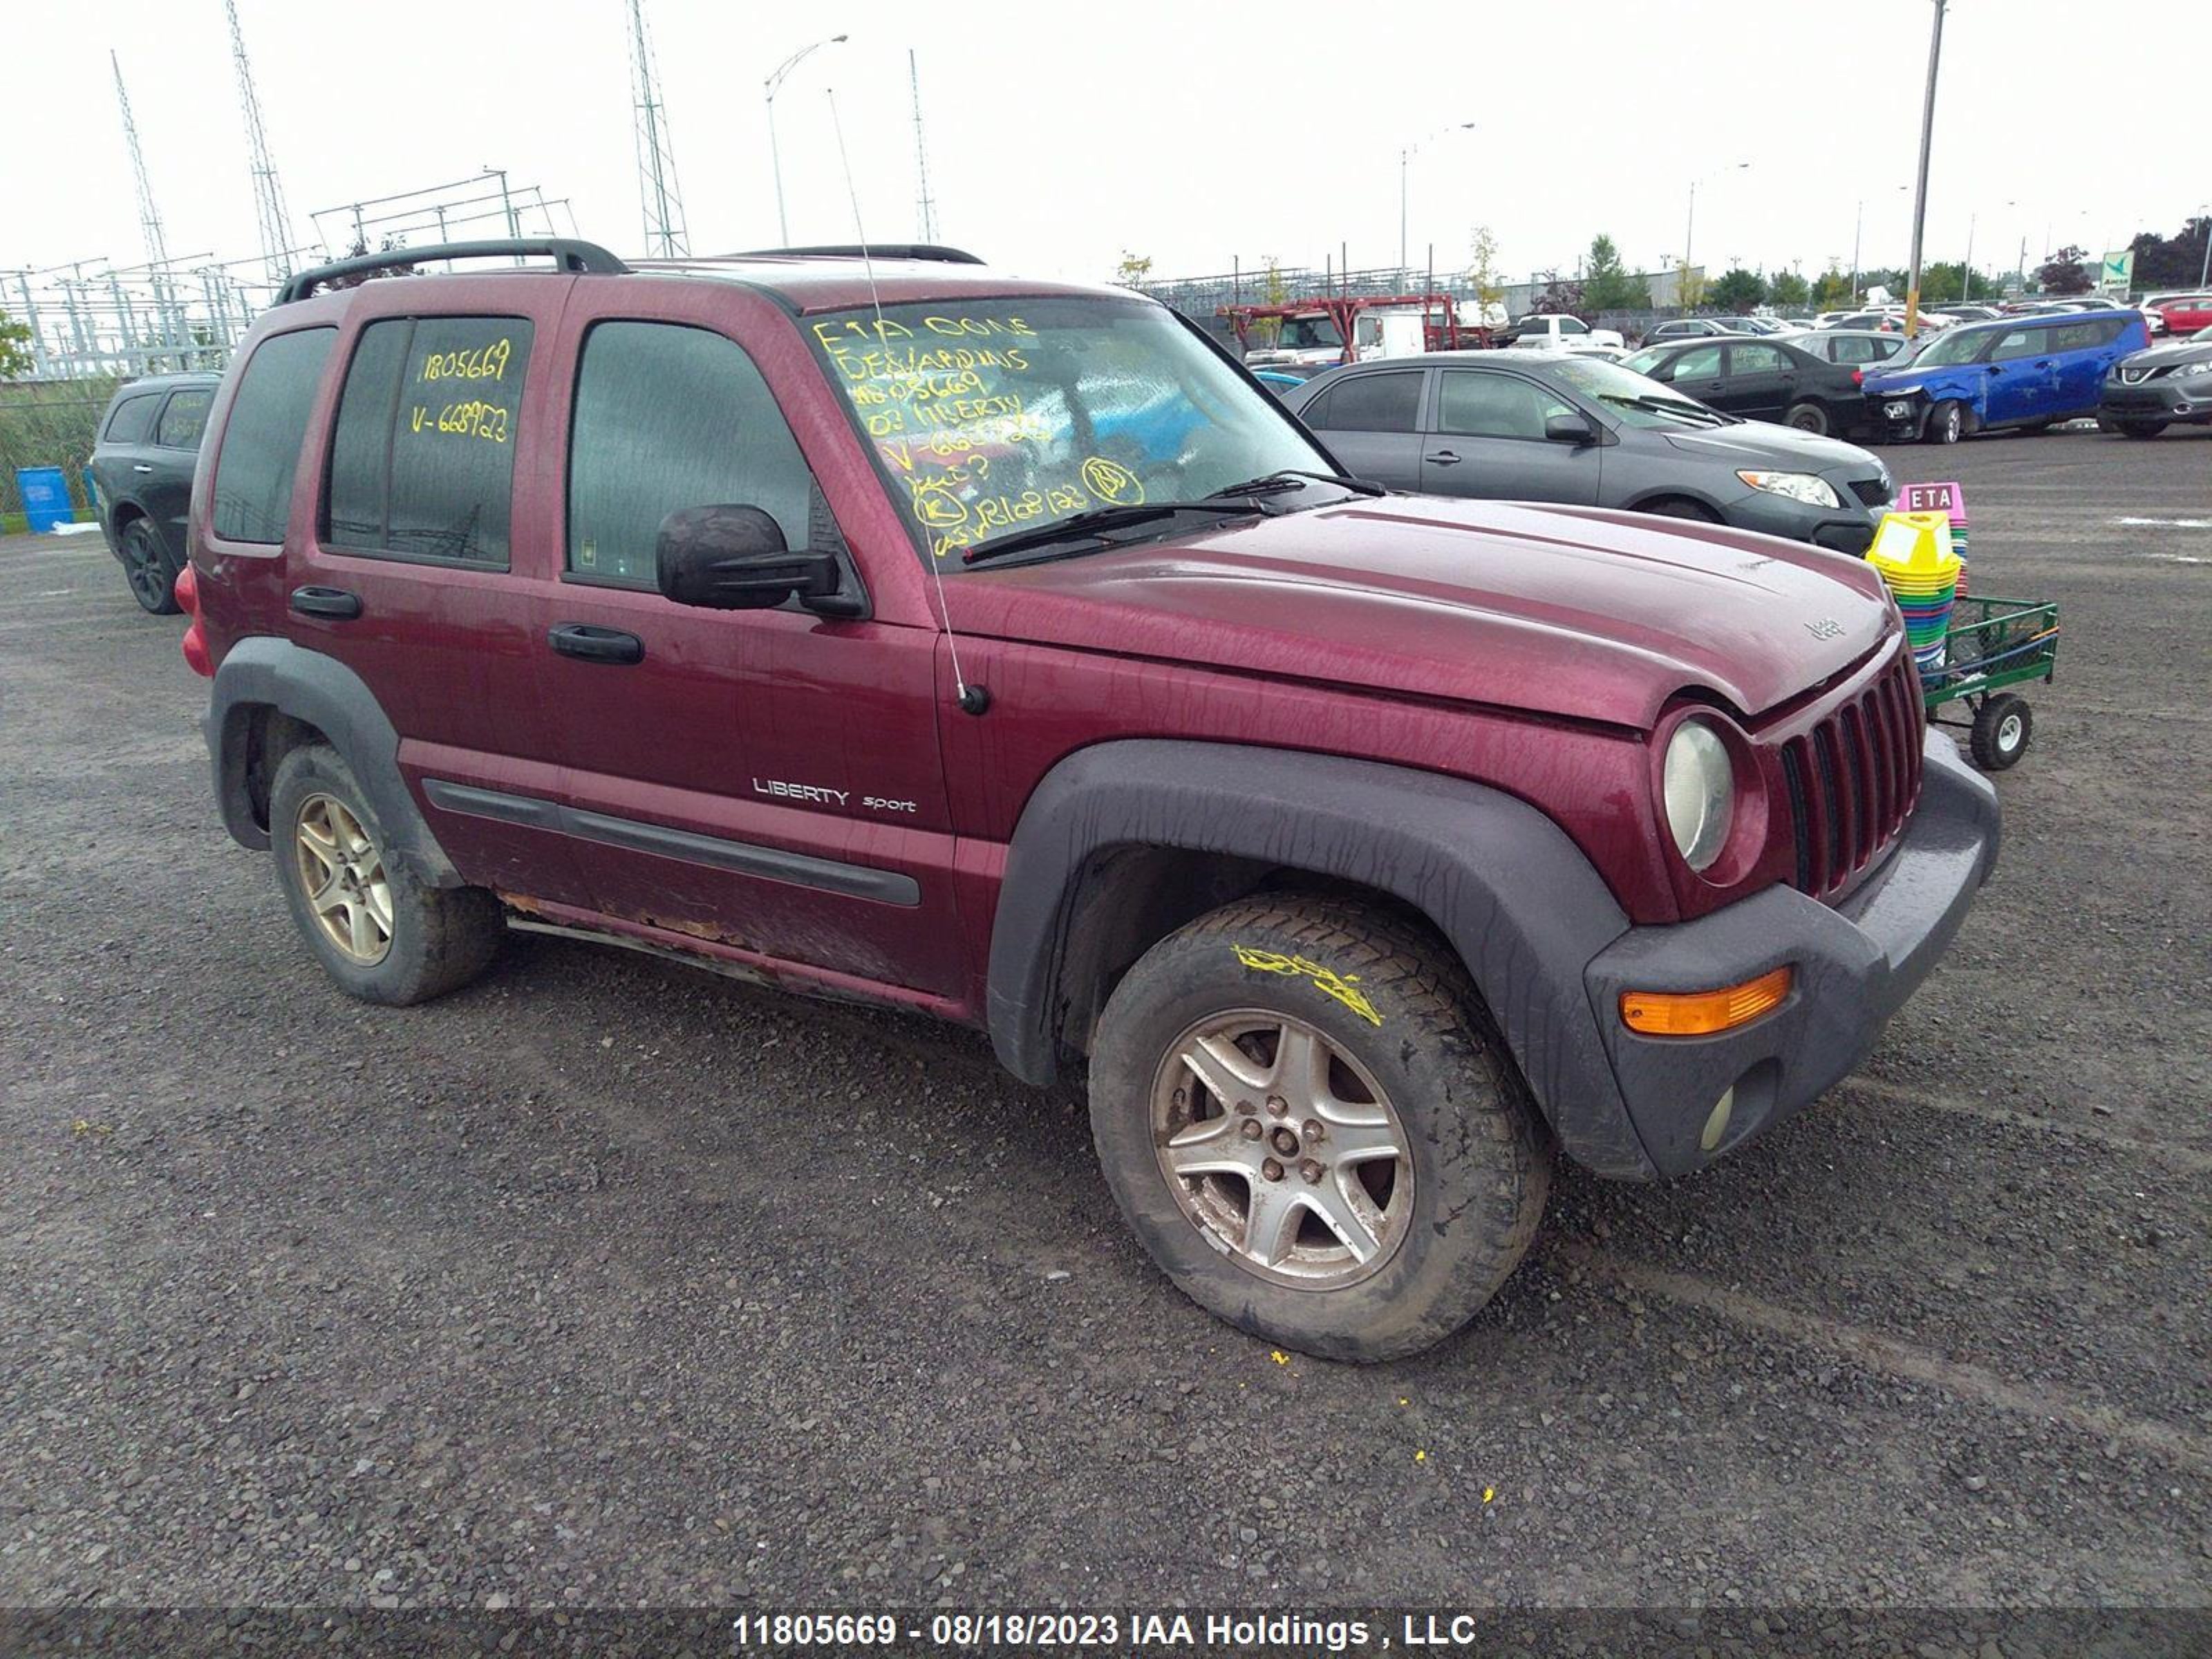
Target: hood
1761,443
2174,351
1571,611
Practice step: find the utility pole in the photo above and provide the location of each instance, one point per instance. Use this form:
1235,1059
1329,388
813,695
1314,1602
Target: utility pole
1966,271
274,223
1920,195
665,237
1858,225
924,207
1405,161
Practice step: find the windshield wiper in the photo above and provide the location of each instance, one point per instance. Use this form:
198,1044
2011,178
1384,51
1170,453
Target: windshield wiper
1290,477
1695,414
1096,520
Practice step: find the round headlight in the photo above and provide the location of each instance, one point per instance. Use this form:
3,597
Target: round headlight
1700,793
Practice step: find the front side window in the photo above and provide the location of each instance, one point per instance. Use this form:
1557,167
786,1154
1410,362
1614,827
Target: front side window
133,419
2021,343
1698,363
990,415
262,438
668,417
185,418
1477,403
423,463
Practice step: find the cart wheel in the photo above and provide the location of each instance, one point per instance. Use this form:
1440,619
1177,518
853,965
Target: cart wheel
2003,727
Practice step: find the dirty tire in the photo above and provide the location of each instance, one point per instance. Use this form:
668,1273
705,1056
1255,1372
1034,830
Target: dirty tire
1946,422
2003,727
149,568
1807,417
1480,1161
441,938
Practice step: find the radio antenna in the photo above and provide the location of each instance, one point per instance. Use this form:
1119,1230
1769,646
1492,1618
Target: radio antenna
974,699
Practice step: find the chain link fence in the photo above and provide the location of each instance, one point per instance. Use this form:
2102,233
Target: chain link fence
49,423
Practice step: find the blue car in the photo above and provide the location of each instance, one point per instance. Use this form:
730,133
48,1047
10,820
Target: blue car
2027,372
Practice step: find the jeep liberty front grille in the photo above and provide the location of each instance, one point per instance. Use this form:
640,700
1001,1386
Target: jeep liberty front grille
1854,778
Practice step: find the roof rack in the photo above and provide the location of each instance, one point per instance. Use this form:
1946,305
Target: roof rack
566,253
952,256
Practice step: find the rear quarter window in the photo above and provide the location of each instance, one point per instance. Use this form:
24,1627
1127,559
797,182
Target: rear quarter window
131,420
261,441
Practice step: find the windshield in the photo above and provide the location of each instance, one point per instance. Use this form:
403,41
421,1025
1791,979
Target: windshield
1310,334
1961,347
1634,400
992,416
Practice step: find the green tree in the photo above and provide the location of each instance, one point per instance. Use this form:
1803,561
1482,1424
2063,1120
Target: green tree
1738,290
1609,285
1133,270
15,360
1482,273
1833,291
2063,273
1789,289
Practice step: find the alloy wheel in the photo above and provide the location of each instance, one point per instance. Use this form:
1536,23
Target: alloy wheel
341,873
1282,1149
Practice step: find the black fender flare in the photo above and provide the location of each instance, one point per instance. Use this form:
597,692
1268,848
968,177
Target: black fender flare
1503,883
265,671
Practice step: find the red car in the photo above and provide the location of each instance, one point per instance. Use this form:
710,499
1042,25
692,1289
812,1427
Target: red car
2184,314
1357,850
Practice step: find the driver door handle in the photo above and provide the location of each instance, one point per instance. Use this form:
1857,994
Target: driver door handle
1445,457
592,644
140,466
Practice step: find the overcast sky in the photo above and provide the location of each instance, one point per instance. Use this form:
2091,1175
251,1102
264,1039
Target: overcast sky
1192,132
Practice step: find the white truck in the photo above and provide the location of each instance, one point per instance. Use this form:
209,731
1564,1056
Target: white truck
1560,332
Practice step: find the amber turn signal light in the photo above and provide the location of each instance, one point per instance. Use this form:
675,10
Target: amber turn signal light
1701,1013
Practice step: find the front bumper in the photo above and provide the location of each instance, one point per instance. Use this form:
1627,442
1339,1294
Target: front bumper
1897,418
2169,397
1856,964
1848,528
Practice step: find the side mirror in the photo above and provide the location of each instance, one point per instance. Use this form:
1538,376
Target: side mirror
1570,429
734,558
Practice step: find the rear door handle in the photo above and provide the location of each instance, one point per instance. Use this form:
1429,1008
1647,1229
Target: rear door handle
588,644
332,602
140,466
1446,458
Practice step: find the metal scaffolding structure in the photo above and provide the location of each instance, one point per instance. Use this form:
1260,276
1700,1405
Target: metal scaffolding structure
92,318
273,223
665,237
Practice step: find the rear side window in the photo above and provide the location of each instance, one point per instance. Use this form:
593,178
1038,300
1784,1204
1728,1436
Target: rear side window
1372,402
669,417
185,418
133,419
423,464
1756,360
261,441
2088,337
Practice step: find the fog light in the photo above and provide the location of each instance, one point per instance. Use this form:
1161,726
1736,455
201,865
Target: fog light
1701,1013
1717,1125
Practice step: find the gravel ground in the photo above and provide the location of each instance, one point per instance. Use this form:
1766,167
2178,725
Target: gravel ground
607,1284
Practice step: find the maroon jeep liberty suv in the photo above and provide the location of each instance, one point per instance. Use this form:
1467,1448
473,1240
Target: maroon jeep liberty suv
875,625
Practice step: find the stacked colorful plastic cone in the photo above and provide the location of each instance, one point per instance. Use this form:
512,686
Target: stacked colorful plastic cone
1913,552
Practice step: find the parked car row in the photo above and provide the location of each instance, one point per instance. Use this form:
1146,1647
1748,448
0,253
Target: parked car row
1553,427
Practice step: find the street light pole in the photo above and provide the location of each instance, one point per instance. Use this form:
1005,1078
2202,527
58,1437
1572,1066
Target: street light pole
1405,160
1920,196
1689,229
2204,269
773,84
